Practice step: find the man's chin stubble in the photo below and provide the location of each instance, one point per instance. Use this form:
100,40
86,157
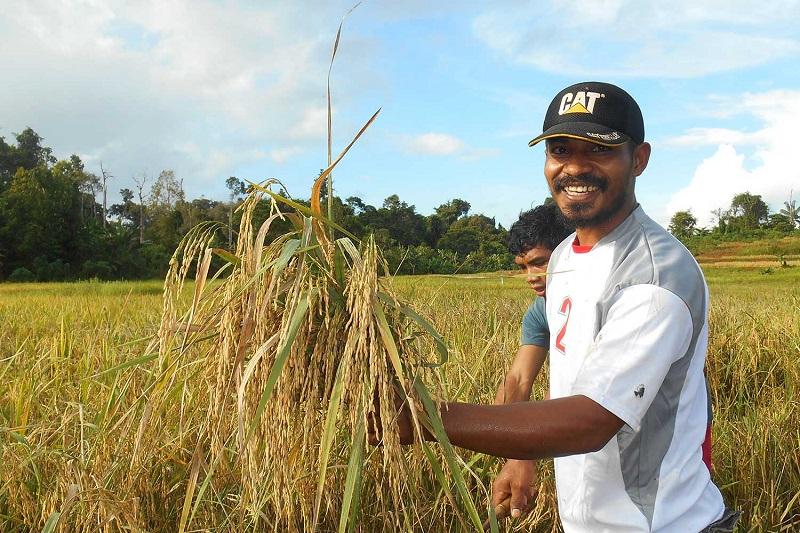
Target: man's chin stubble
577,214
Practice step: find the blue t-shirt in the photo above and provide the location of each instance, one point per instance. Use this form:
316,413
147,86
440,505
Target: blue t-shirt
534,325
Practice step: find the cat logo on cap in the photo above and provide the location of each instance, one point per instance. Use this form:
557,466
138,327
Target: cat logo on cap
580,102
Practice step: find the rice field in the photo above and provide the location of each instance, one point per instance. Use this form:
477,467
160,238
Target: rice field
77,370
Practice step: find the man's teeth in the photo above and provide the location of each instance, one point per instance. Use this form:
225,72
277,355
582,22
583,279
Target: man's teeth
575,189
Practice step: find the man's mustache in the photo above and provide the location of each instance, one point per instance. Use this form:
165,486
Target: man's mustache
567,180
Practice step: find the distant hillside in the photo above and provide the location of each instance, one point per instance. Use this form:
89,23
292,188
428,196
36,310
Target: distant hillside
759,252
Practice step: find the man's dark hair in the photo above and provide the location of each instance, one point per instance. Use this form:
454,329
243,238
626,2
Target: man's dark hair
543,226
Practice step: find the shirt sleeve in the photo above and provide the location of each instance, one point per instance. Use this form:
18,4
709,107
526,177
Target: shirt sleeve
647,329
534,325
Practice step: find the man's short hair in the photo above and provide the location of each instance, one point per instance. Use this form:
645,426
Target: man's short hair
543,226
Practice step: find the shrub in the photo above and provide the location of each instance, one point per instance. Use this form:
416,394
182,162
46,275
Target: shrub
97,269
22,274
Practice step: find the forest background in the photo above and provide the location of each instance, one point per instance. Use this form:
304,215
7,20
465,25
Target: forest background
56,224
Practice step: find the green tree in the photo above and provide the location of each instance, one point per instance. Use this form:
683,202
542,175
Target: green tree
164,210
403,224
7,168
167,191
127,212
40,218
475,233
780,222
791,212
748,211
462,240
451,211
30,151
683,224
236,189
28,154
435,230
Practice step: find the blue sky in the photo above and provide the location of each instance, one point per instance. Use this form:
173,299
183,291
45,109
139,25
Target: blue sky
212,89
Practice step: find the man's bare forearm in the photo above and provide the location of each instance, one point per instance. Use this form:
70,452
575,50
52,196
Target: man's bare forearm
531,430
518,381
512,390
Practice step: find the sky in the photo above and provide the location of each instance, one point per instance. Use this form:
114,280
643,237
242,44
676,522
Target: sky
212,89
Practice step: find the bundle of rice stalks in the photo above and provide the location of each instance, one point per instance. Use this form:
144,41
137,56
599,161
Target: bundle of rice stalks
291,339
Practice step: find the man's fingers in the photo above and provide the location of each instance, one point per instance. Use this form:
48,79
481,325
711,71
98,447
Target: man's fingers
519,501
500,492
503,508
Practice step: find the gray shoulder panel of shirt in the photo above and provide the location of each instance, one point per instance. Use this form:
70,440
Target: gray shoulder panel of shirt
645,253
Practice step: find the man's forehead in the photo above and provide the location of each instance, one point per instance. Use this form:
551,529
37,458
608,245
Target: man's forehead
535,252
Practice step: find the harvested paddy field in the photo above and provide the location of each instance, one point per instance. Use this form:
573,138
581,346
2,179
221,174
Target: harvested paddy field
75,375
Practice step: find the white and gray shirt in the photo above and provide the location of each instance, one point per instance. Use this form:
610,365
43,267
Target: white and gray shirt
628,329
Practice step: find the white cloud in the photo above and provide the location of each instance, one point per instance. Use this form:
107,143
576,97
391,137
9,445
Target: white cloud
713,136
281,155
443,144
198,86
770,172
435,144
625,38
312,124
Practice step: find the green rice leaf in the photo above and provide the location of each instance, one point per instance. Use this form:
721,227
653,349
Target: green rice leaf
388,340
201,491
280,360
449,453
52,522
494,527
328,435
227,256
352,485
127,364
441,345
438,472
289,248
303,209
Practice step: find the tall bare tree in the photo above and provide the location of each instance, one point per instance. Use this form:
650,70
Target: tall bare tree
140,183
105,177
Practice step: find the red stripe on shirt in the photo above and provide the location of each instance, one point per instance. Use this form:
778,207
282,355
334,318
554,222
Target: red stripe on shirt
707,449
578,249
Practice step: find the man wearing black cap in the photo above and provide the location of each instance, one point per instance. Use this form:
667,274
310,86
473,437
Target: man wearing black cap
627,307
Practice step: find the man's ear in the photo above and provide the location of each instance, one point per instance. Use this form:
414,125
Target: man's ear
641,156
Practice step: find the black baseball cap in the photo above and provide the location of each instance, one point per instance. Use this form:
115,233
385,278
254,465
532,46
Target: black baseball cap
596,112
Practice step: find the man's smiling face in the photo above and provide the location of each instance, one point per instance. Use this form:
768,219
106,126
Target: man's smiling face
593,184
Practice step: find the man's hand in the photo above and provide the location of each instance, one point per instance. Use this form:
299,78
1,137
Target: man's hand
514,489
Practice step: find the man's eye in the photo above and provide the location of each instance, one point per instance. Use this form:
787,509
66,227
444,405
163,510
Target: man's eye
558,150
601,148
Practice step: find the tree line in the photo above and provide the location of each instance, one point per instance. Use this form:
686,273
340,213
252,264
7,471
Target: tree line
55,223
748,217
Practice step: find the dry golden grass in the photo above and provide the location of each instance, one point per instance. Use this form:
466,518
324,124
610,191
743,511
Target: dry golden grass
71,367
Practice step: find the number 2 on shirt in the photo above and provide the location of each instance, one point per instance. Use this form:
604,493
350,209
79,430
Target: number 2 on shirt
566,307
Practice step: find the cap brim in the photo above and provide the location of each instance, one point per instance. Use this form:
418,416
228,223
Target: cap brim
585,131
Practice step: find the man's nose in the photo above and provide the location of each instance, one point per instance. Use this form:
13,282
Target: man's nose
577,164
